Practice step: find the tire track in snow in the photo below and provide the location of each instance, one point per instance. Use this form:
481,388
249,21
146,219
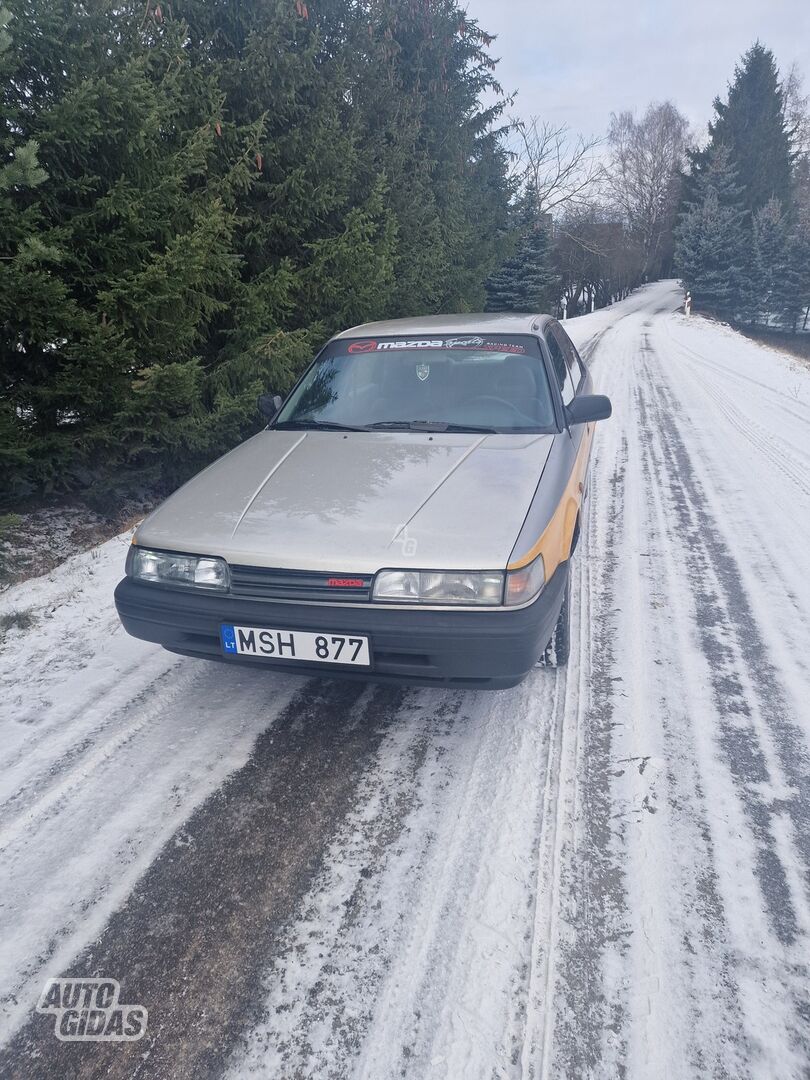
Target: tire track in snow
593,894
695,993
757,741
785,402
761,504
321,987
691,965
42,791
192,938
746,682
600,1012
428,972
81,859
543,943
780,453
443,969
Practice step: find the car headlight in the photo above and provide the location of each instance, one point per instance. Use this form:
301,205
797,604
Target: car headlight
445,587
526,583
202,572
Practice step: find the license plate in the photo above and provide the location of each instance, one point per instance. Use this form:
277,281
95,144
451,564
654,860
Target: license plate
300,645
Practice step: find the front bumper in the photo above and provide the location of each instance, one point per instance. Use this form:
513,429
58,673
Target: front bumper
486,649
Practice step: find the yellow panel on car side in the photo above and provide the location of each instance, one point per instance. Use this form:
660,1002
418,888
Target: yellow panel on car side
554,543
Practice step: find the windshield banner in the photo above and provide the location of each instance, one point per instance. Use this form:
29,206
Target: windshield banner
477,344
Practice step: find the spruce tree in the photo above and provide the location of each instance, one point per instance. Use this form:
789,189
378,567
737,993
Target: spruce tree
420,70
21,249
711,239
196,194
751,124
527,281
133,257
791,287
767,269
752,128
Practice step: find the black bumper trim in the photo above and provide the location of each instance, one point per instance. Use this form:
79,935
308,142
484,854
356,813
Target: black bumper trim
488,649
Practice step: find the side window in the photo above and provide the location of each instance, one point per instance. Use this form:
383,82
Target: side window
579,367
558,363
570,353
560,368
577,370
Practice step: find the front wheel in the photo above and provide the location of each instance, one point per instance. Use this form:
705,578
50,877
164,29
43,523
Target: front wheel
556,652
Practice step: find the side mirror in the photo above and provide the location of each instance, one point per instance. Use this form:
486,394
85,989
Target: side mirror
269,404
586,409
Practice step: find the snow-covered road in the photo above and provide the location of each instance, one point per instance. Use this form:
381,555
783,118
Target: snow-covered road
604,872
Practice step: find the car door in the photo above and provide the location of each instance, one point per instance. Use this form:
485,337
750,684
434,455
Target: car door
571,377
577,382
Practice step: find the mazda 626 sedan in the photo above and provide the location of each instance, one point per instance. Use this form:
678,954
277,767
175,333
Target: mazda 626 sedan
409,513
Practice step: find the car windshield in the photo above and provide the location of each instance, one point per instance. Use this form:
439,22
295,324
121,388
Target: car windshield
444,384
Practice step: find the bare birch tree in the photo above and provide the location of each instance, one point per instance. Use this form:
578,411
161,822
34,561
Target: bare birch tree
797,110
644,176
797,114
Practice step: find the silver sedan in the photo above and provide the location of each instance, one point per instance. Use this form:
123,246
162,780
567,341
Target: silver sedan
409,512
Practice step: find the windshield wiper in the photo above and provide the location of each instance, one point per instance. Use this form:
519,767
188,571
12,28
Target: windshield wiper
307,423
475,429
430,425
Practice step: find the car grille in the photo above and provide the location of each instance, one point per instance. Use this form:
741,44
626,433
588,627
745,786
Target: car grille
261,583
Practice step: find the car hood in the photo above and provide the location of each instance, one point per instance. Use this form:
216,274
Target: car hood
357,502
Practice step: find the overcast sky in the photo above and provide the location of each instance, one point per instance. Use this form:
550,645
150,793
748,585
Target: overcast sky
578,62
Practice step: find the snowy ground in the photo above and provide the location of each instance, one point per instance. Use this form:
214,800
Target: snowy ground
604,872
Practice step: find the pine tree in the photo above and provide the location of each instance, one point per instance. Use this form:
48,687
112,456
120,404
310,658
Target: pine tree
711,238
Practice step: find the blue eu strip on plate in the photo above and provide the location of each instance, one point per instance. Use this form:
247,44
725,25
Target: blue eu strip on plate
228,637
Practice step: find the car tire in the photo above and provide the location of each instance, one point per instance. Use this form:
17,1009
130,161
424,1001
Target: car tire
557,651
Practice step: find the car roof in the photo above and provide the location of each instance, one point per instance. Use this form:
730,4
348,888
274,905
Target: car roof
500,322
